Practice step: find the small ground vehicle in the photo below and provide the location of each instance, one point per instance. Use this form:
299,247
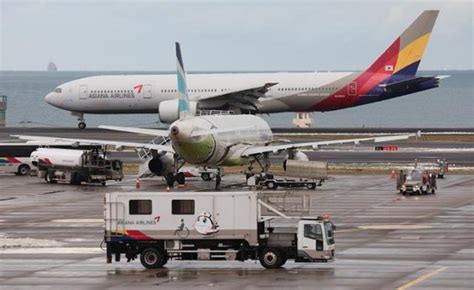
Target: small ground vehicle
15,158
438,166
416,181
158,226
271,182
298,173
76,166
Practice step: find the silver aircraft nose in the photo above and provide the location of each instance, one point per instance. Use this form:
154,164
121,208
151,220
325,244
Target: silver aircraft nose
53,99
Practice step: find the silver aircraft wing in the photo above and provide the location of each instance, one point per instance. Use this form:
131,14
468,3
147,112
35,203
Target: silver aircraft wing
152,132
75,142
245,98
315,145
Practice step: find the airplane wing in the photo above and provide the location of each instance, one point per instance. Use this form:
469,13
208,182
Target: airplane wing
410,83
315,145
152,132
70,141
242,98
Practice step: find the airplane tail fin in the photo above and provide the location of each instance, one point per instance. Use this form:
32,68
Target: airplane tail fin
405,53
183,97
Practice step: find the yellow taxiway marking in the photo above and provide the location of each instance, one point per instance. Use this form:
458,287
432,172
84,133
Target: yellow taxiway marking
422,278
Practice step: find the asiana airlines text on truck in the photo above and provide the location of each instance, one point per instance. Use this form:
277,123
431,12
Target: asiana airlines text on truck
158,226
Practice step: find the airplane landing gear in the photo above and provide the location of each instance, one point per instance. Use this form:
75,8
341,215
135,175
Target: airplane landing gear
218,178
80,117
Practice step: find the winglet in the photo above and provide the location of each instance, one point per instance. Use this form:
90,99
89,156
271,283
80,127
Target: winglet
183,97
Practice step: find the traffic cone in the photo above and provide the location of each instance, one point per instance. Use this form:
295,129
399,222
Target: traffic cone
137,183
393,174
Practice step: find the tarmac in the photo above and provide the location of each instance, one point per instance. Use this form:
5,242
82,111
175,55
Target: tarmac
51,234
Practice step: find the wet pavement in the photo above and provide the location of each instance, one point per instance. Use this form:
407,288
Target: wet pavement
50,237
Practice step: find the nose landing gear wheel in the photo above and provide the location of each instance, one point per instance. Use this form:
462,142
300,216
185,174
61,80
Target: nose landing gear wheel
81,125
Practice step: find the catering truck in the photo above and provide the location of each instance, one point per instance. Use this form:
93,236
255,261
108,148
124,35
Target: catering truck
158,226
76,166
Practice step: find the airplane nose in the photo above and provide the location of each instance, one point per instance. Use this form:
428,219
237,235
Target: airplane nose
52,99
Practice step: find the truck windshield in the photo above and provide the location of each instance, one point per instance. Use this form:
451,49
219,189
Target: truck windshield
329,227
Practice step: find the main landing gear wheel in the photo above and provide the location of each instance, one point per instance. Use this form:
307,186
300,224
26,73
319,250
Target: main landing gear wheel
180,178
169,179
81,125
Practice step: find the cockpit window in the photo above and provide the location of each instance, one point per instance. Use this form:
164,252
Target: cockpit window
58,90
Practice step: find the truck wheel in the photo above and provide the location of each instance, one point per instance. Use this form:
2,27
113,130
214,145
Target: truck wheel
23,169
152,258
271,258
205,176
271,185
49,177
311,185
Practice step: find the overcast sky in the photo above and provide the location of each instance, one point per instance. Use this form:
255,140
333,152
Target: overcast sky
224,35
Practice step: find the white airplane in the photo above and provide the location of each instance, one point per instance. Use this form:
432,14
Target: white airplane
208,141
393,74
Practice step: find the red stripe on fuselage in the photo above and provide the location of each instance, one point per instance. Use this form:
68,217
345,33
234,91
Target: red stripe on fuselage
366,81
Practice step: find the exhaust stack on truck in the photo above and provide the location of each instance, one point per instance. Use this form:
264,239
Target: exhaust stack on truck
158,226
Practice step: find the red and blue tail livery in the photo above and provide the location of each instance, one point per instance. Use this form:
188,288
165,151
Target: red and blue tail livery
393,74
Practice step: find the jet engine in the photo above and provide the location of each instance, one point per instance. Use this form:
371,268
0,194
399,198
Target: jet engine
159,165
295,155
168,110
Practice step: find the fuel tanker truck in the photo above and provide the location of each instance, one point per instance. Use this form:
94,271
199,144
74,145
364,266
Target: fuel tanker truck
76,166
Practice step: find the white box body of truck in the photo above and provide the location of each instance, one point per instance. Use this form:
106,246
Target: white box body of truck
227,216
158,226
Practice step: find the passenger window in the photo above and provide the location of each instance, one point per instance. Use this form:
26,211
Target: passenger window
182,206
139,206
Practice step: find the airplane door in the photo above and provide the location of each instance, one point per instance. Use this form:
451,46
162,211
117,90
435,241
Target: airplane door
147,92
83,92
352,89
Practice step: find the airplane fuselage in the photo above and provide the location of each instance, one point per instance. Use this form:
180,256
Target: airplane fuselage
294,92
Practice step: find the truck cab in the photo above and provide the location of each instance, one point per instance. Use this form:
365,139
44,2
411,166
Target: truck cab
315,240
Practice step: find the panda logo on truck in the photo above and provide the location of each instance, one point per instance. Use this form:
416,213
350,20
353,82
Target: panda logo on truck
206,225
